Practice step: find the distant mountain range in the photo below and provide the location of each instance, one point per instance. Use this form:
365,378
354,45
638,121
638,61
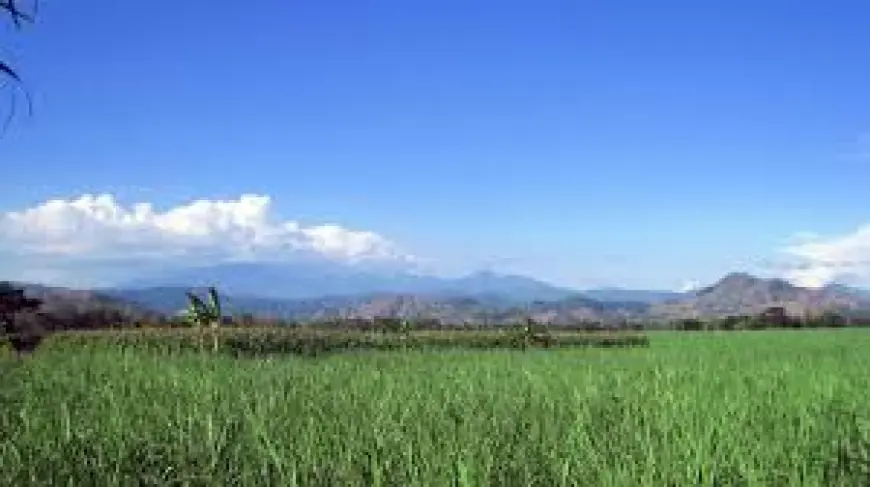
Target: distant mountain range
633,295
448,308
317,289
484,296
316,279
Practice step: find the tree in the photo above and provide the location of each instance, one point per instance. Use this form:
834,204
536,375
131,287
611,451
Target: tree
201,314
689,324
832,319
775,316
13,302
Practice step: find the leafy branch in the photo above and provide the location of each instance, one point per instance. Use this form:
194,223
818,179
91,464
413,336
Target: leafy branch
18,17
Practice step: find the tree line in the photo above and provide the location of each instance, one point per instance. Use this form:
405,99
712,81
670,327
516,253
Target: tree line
774,317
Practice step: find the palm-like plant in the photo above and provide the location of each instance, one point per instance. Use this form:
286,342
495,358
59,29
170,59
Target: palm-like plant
528,333
532,332
201,313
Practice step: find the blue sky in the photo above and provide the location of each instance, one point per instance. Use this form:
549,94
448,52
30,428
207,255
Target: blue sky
640,144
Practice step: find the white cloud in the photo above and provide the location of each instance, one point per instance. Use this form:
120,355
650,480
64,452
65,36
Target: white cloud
822,260
689,286
97,227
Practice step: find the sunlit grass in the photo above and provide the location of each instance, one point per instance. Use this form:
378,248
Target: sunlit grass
756,408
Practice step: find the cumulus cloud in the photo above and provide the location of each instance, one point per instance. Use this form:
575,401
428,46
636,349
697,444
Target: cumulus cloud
821,260
98,227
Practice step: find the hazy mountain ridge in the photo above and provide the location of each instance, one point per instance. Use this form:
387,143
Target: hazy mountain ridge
445,308
477,298
611,294
315,279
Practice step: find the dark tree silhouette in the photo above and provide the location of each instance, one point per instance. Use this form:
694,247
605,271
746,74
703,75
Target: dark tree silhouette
775,316
18,16
13,303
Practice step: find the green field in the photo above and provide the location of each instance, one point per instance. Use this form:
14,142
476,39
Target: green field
742,408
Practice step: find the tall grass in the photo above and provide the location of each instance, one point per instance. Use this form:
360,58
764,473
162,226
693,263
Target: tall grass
764,408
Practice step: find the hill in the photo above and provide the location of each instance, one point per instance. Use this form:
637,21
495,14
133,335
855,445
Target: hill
59,299
742,293
64,309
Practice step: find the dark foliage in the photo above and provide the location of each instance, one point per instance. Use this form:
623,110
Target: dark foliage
28,314
16,318
774,317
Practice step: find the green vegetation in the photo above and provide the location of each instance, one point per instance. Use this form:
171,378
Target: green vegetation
259,342
755,408
201,314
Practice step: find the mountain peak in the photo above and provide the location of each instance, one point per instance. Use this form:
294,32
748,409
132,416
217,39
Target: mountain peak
737,282
739,277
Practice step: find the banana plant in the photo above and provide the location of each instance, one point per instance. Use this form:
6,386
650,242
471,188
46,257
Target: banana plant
201,314
405,330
